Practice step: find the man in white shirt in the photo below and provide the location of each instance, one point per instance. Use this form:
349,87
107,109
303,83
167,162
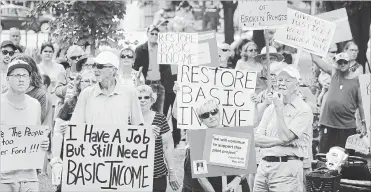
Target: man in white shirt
17,108
108,102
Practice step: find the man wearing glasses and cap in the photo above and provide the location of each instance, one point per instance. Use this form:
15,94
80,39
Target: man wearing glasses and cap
107,102
158,77
283,135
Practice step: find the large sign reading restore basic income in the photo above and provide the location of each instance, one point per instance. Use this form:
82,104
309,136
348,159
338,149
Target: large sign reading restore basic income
21,147
262,14
307,32
230,88
108,158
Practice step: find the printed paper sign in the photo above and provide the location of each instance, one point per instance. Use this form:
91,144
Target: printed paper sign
21,147
228,151
177,48
208,49
340,18
231,88
304,31
364,81
108,158
260,14
222,151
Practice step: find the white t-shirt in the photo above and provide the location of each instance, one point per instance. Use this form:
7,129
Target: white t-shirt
31,115
53,73
242,65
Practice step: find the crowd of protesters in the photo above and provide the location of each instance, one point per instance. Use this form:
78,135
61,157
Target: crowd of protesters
127,86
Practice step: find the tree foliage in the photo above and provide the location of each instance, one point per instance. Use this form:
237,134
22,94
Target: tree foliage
82,22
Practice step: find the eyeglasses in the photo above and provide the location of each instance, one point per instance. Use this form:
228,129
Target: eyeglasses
75,57
354,50
19,76
5,52
127,56
47,51
145,97
333,52
154,34
89,81
208,114
87,65
342,62
225,50
253,50
101,66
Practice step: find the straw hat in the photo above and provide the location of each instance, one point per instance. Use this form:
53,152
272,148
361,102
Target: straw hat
272,52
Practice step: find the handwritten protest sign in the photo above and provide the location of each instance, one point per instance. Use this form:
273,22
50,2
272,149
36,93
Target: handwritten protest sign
222,151
177,48
227,148
231,88
260,14
307,32
108,158
340,18
208,49
21,147
364,81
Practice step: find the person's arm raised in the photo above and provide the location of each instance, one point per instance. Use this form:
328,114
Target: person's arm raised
326,67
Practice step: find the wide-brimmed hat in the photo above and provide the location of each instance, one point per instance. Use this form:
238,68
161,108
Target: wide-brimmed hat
272,52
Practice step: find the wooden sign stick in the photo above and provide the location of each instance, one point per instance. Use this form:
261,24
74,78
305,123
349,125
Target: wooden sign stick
269,80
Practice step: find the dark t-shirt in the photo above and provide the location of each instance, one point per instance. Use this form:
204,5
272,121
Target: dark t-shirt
341,103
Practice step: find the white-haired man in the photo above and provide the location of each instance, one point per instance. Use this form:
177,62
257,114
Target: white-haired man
284,135
108,102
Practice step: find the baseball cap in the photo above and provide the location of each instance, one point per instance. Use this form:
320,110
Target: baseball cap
107,58
18,64
8,43
342,56
292,71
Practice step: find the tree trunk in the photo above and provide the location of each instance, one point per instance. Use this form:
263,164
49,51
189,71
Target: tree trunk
93,44
228,8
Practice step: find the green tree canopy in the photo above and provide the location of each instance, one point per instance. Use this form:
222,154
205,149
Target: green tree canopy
82,22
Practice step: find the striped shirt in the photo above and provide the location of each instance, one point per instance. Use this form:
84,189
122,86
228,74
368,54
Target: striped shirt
160,166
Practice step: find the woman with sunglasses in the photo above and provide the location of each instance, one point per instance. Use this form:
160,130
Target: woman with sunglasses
127,74
209,114
248,51
164,158
82,81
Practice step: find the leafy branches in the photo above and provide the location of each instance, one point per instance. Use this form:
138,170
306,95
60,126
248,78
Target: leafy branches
82,22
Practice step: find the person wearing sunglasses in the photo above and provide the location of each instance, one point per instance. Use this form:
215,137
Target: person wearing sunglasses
108,101
86,63
7,53
127,74
338,118
164,165
247,62
17,108
224,51
74,54
156,76
209,114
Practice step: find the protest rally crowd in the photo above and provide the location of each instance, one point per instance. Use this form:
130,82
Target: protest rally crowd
129,87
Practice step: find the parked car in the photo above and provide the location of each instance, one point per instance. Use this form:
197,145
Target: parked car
15,15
